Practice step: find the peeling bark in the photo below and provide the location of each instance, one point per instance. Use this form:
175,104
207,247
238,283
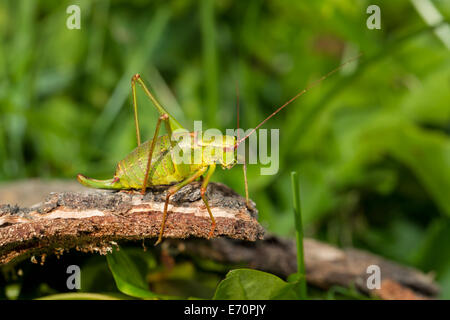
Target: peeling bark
95,221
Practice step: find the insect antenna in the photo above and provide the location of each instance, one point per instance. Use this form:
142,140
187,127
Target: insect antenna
315,83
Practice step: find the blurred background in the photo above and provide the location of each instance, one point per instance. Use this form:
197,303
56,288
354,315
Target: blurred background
371,143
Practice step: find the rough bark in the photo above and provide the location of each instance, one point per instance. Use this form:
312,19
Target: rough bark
95,221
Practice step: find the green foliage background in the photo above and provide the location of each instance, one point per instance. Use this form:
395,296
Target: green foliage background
371,144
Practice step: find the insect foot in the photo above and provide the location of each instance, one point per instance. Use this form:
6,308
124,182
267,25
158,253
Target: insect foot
250,206
213,221
211,232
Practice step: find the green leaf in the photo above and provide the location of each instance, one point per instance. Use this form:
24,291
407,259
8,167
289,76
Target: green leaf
80,296
425,152
247,284
127,275
428,101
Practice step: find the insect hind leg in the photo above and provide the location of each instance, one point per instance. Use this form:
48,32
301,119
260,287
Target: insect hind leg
165,118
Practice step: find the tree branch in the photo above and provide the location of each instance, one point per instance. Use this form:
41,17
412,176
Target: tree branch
94,221
326,265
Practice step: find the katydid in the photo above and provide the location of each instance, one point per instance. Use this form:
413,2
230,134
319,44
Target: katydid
152,163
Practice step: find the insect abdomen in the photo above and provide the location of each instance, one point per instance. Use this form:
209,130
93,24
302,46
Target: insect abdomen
131,170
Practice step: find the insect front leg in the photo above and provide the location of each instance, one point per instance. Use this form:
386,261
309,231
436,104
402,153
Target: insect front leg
247,199
172,191
244,168
244,171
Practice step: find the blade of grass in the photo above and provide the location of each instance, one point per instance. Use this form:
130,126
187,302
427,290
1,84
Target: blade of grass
209,60
19,59
304,122
97,39
165,93
301,273
142,55
431,15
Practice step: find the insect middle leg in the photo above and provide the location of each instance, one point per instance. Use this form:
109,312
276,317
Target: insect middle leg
209,173
172,191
